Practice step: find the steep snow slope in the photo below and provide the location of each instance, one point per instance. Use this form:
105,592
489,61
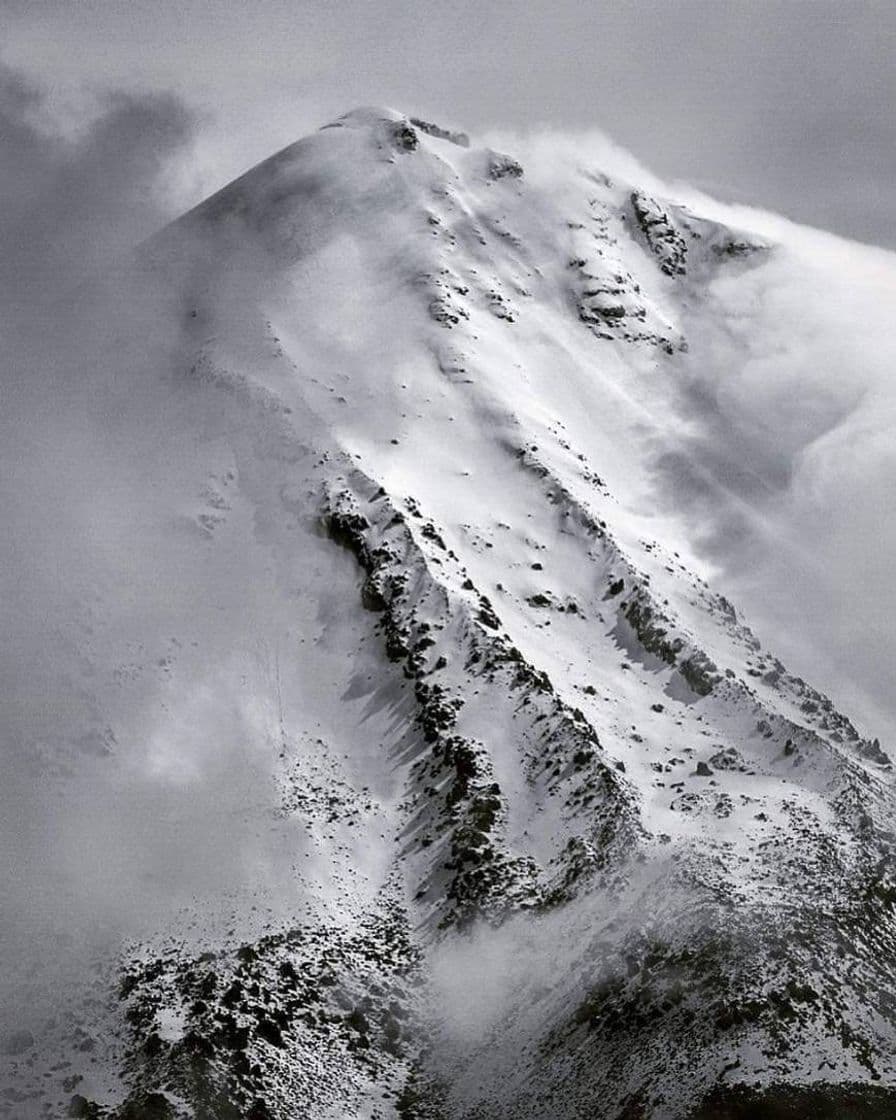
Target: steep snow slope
519,818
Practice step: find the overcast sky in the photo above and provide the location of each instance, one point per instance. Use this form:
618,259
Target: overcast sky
787,104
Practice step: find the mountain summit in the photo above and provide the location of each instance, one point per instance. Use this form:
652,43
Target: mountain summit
501,810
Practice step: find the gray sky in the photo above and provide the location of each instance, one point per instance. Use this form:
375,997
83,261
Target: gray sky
786,104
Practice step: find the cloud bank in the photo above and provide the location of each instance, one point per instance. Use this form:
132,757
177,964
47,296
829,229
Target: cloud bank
784,464
109,833
778,456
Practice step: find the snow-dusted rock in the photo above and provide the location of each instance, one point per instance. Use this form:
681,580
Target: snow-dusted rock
562,839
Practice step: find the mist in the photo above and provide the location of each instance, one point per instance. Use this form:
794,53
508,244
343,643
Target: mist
129,790
777,458
784,458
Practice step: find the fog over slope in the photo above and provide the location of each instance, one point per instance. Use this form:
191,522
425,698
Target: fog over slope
780,452
375,727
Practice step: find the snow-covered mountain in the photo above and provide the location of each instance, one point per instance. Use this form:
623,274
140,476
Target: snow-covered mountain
395,724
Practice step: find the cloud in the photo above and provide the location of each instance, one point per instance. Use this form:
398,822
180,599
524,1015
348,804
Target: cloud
782,454
72,203
777,457
124,797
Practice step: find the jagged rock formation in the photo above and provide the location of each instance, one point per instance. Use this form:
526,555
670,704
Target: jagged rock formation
531,735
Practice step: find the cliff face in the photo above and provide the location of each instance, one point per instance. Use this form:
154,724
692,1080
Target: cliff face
524,819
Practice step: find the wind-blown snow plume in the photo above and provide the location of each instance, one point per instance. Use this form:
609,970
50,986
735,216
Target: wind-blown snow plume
779,451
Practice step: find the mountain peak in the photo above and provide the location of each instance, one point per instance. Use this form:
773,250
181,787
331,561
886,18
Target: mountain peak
366,116
428,609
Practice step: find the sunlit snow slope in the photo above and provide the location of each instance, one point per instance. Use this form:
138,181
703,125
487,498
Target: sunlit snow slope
398,732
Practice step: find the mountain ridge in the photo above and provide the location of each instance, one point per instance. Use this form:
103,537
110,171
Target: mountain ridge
522,729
